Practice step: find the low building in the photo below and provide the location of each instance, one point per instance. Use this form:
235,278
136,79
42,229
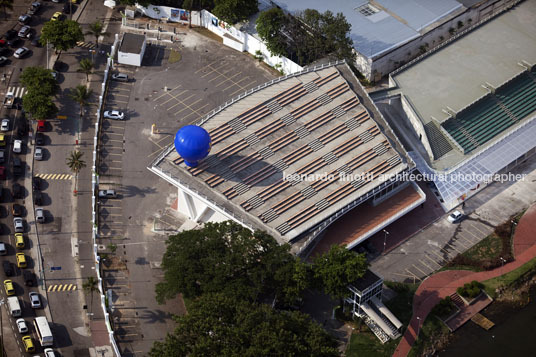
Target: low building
131,49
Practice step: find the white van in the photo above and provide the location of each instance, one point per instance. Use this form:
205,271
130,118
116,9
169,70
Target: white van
14,306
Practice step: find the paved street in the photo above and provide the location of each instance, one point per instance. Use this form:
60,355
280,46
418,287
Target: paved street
426,252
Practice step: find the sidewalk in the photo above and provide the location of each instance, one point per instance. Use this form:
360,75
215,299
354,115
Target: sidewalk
445,283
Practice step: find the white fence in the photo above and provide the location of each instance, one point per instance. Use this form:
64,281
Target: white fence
232,37
94,187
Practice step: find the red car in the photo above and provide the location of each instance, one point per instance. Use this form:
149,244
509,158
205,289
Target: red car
40,125
2,172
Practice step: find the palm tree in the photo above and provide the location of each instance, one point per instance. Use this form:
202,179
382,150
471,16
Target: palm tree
90,286
75,163
6,4
86,66
81,95
96,29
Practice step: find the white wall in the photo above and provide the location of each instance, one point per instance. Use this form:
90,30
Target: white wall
129,58
244,41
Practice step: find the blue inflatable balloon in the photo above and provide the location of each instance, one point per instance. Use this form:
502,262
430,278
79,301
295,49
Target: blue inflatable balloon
193,143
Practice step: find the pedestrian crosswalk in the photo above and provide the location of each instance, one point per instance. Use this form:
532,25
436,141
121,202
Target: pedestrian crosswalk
18,92
61,287
55,176
88,45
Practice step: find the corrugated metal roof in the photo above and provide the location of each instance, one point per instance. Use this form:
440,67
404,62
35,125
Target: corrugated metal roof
380,32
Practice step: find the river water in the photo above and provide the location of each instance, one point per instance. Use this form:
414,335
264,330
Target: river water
514,333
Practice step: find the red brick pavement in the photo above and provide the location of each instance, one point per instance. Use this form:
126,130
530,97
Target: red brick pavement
443,284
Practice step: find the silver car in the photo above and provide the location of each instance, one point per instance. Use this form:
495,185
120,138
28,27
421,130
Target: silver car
5,125
24,31
19,225
21,52
22,326
40,215
35,300
38,153
121,77
114,114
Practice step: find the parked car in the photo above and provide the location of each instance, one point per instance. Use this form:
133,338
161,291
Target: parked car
121,77
114,114
23,32
17,191
8,268
40,215
38,153
21,260
2,172
16,210
34,8
57,16
25,19
49,352
14,42
41,125
4,51
17,146
19,241
10,34
18,224
455,217
5,125
17,167
35,42
39,139
2,140
22,326
29,278
28,344
36,183
3,248
21,52
3,60
67,8
35,300
2,156
9,287
38,198
107,194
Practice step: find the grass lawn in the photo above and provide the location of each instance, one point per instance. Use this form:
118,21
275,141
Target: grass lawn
174,56
366,344
488,248
509,278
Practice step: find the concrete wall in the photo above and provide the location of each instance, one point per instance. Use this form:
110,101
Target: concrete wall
131,59
417,124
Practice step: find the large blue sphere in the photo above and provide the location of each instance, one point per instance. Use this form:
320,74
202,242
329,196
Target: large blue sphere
192,142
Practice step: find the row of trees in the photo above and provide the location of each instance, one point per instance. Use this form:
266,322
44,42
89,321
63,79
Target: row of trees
234,277
307,36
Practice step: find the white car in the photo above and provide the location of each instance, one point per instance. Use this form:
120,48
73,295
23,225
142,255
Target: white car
114,114
121,77
49,352
22,326
38,154
21,52
107,194
17,146
5,125
40,215
35,300
18,224
455,217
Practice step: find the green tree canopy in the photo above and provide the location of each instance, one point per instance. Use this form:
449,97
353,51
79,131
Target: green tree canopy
63,35
233,11
269,26
226,257
39,79
337,268
39,105
218,325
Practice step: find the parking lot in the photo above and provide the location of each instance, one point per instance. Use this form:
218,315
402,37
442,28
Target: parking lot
168,95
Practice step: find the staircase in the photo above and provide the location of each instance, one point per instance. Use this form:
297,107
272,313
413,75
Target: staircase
457,300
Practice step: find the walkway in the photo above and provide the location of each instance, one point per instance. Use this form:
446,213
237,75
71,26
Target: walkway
443,284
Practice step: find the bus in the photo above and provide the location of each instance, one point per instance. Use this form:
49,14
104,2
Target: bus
43,331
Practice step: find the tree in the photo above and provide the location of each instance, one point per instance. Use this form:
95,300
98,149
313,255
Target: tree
86,67
218,325
6,4
81,95
40,106
233,11
97,29
63,35
39,79
228,258
189,5
140,2
269,26
90,287
338,268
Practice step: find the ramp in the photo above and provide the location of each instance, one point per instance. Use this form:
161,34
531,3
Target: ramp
482,321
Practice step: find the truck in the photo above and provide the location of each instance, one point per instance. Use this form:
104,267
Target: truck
9,100
14,306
